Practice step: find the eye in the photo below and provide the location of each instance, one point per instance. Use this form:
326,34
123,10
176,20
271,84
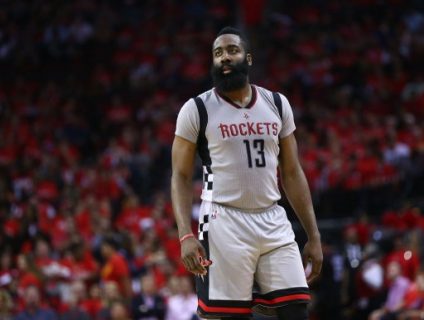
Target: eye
217,53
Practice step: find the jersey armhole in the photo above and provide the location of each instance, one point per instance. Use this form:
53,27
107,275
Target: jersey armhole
278,103
203,117
202,141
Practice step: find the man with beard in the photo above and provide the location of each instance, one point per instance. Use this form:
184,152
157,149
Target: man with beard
243,134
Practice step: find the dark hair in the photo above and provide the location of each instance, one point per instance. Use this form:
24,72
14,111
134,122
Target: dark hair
111,241
237,32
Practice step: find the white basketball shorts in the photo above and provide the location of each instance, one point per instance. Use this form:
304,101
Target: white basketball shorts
248,250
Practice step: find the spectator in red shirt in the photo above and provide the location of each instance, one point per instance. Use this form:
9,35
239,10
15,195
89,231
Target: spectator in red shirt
81,262
28,275
93,304
414,299
404,254
115,267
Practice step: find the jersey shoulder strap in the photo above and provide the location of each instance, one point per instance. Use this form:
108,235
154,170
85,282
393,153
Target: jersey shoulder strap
202,141
203,115
278,103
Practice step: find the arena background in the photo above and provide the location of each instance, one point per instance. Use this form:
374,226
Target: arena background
89,93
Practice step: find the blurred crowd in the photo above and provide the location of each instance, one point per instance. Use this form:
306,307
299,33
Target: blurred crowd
89,93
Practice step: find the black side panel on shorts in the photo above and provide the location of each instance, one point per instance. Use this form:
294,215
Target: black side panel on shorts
202,283
278,103
202,141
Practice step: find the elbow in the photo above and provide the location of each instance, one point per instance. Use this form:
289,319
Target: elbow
293,172
179,178
178,175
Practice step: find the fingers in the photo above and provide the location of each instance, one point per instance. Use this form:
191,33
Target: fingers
311,277
194,257
312,258
305,259
205,262
202,252
193,264
315,271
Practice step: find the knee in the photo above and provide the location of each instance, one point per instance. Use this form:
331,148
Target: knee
296,311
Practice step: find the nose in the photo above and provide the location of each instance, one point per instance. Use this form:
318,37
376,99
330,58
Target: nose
225,57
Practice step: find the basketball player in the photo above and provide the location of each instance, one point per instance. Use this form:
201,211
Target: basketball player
243,134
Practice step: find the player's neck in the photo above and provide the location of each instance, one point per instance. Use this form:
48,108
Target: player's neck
241,96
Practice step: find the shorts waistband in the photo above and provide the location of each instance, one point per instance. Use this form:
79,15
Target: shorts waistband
243,210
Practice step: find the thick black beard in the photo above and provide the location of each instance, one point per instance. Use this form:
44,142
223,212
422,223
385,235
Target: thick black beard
235,80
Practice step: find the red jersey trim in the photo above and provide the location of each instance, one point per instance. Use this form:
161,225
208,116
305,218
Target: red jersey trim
223,309
300,296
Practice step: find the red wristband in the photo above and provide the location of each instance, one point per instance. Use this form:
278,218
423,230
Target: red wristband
185,237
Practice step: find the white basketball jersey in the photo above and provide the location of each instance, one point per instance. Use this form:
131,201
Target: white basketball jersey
239,147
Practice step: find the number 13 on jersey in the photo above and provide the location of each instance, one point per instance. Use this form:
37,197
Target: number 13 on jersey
257,146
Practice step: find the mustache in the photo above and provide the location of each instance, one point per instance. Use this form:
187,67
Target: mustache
238,67
227,64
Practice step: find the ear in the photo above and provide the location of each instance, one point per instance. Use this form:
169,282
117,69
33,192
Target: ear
249,59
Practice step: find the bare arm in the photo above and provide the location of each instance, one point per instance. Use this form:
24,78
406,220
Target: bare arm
297,191
183,156
183,161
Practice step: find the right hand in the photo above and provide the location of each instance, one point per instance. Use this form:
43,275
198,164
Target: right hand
192,255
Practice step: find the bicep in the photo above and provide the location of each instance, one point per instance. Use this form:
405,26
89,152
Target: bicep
183,156
288,157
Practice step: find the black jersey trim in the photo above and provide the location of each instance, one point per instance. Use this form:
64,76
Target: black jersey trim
278,104
202,141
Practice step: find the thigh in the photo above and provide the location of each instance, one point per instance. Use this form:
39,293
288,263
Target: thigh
281,278
227,288
281,268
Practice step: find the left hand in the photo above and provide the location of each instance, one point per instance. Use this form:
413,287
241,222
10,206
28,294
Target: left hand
312,253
